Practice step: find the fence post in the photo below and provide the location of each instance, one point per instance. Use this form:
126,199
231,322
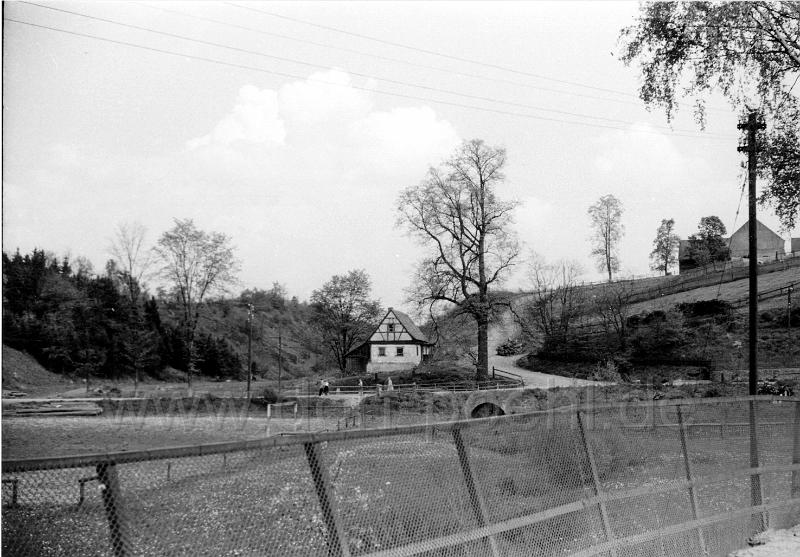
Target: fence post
112,502
478,505
687,466
596,481
337,541
14,490
796,452
761,522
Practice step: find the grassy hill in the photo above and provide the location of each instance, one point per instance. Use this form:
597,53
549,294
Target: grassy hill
699,345
22,373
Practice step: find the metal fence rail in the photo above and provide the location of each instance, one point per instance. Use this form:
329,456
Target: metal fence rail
657,478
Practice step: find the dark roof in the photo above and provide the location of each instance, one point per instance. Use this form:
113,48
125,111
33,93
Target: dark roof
409,325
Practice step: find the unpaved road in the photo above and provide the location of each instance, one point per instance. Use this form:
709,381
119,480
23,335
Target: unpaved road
506,329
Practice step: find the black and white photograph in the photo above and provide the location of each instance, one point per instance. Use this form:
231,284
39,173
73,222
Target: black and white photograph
400,278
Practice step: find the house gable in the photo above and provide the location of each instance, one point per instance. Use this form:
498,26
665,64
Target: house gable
395,344
397,328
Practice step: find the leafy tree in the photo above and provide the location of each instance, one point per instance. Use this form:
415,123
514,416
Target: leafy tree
140,347
455,211
665,247
607,231
197,264
748,51
707,245
343,313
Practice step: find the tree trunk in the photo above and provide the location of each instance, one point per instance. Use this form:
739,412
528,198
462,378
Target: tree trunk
483,348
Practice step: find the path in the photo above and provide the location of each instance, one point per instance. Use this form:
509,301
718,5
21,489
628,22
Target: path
508,328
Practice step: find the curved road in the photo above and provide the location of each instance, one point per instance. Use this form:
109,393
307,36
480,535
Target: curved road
506,329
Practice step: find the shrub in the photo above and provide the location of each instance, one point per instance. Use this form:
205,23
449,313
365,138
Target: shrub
607,372
268,396
511,347
704,308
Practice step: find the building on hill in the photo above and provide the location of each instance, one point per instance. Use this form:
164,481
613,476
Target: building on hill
396,344
770,246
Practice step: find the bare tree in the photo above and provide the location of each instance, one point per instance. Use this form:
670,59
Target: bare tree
132,258
613,306
607,231
665,247
556,300
196,264
456,213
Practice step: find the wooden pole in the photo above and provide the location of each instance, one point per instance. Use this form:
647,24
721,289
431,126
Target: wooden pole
112,502
760,521
752,126
687,466
796,452
337,540
596,483
475,498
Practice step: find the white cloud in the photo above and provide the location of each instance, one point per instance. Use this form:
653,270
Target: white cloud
254,119
403,137
323,98
304,179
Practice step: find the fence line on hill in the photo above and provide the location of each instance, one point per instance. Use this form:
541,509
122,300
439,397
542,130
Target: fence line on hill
647,478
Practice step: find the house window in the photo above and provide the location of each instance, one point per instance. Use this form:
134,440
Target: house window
390,327
381,351
399,350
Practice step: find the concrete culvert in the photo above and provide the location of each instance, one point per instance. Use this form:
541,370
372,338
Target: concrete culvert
486,409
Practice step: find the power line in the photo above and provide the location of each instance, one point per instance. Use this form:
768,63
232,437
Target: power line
435,53
397,60
357,74
399,95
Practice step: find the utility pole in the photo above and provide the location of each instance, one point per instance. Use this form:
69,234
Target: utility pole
759,522
752,126
249,348
280,360
789,306
279,336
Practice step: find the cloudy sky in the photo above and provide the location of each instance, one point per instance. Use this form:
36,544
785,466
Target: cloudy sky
292,128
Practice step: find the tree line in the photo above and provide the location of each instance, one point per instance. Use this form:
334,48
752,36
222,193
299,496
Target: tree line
81,324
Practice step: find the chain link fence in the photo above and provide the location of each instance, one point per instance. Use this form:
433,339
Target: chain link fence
663,478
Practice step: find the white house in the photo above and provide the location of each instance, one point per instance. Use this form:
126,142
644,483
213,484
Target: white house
397,344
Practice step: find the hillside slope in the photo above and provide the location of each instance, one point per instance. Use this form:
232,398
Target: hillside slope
728,291
22,373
